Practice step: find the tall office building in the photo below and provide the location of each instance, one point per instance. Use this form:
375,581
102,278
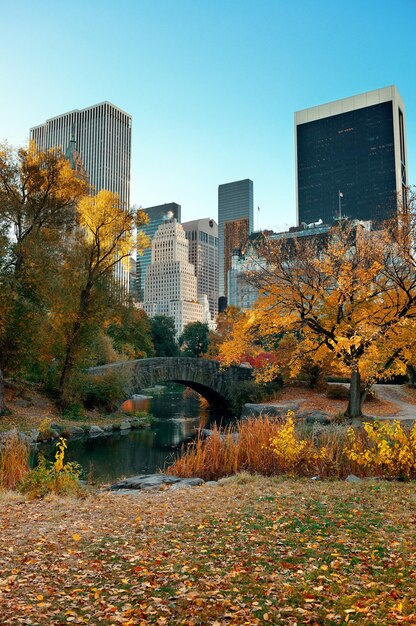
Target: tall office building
235,223
351,158
157,216
102,137
170,286
202,236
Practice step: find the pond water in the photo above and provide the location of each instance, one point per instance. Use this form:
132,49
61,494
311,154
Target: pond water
177,412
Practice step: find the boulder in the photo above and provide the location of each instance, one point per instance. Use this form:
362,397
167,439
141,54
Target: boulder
75,432
108,428
351,478
145,481
33,434
315,417
125,425
187,483
273,410
95,431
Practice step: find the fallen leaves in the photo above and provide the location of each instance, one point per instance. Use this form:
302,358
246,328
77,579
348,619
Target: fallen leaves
268,552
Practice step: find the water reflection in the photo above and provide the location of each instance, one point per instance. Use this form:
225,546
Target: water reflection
177,415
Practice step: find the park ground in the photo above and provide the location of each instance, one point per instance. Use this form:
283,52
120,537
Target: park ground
248,550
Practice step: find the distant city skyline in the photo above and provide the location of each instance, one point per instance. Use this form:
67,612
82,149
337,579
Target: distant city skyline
215,99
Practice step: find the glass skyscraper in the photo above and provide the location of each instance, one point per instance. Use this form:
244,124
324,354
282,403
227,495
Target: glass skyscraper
351,157
235,223
157,215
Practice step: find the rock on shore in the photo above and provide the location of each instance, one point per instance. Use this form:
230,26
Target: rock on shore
148,482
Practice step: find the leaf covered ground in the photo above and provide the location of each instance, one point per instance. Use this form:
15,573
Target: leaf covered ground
247,551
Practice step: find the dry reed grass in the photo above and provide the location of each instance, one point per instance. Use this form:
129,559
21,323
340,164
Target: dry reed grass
245,447
14,460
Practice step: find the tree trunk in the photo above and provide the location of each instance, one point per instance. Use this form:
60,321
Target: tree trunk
72,347
2,405
357,395
411,375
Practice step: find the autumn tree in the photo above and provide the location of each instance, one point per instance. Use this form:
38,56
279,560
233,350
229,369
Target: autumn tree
105,236
351,298
224,325
38,194
194,339
131,332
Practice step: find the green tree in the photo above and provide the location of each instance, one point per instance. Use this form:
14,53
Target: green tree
164,336
194,339
131,333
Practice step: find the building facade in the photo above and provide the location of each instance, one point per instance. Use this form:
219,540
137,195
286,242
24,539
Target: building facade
351,158
235,223
202,236
102,136
170,286
157,215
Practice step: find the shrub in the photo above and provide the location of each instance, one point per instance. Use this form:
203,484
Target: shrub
338,392
55,477
14,460
107,390
73,412
250,391
384,448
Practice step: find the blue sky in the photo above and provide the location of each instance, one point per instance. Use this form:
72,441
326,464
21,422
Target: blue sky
212,85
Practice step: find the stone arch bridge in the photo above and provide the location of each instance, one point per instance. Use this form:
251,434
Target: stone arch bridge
218,386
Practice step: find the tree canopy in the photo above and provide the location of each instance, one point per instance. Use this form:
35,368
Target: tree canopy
59,292
349,301
164,335
194,339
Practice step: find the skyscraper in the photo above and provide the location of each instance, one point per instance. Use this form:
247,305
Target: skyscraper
351,158
101,135
170,286
235,223
157,216
202,236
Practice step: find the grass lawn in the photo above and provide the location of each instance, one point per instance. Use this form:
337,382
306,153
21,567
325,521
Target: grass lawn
247,551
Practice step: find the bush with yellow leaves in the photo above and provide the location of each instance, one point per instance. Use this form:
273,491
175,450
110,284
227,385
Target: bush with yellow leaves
386,449
55,477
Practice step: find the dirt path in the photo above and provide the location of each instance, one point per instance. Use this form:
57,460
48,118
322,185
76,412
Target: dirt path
397,394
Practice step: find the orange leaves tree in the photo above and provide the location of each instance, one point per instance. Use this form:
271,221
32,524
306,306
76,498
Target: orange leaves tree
349,300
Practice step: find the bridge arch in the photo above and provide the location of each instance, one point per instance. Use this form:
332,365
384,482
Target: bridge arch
216,385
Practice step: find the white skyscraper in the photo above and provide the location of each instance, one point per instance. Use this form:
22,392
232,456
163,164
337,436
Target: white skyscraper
202,235
102,136
170,286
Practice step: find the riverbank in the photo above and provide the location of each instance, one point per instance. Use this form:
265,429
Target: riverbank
248,550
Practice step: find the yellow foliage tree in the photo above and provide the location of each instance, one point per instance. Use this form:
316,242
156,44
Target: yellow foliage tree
105,237
38,194
351,297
